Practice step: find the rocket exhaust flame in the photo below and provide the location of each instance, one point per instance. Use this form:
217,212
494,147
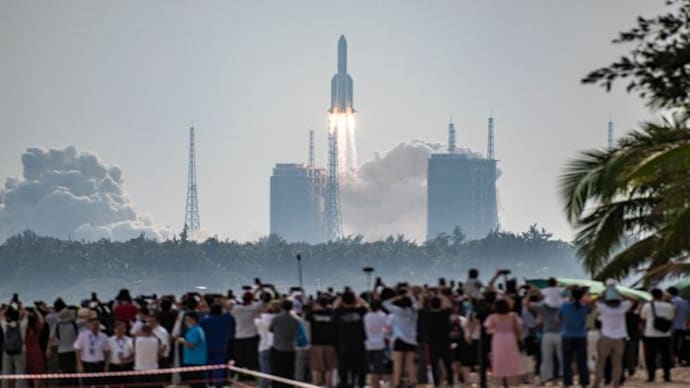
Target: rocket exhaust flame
343,124
341,118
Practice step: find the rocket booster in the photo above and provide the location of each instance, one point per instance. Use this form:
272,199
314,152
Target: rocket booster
341,84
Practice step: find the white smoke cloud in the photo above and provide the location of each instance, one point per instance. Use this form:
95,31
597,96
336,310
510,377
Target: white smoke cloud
70,194
387,195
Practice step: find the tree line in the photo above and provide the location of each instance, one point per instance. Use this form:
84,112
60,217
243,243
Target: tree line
46,266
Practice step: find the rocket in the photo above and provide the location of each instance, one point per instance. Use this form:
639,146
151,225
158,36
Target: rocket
341,84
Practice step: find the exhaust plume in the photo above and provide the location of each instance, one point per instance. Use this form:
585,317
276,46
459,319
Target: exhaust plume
387,195
65,193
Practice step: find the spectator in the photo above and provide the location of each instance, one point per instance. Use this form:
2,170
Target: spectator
163,337
657,339
322,354
14,322
506,330
376,327
285,328
473,286
436,323
147,351
263,324
246,343
62,337
302,368
681,349
573,316
611,344
195,350
125,310
404,328
551,344
92,350
35,361
217,328
121,354
349,311
468,342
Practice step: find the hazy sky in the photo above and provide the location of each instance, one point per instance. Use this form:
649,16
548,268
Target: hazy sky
124,79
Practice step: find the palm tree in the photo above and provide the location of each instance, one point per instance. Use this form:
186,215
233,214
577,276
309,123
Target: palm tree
638,188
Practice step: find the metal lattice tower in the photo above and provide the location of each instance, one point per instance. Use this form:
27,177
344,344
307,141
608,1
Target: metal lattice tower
610,144
333,222
312,163
191,214
451,137
490,144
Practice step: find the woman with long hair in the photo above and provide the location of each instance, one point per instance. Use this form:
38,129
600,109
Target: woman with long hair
404,328
35,362
506,329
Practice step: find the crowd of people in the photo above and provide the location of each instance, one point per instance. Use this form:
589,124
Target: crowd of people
450,333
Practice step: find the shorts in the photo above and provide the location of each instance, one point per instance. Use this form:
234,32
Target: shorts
376,361
322,358
402,346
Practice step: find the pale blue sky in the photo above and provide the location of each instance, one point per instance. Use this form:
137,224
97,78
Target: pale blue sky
124,79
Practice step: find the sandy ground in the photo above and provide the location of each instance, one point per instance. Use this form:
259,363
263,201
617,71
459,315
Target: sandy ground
680,378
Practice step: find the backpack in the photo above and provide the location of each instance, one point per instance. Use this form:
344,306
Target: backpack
74,325
13,340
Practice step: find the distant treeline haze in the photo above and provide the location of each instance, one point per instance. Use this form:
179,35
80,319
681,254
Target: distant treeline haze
43,267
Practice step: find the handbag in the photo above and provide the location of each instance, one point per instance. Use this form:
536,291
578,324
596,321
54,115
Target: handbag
661,324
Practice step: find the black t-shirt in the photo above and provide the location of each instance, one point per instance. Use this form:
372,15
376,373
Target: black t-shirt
350,327
436,326
323,331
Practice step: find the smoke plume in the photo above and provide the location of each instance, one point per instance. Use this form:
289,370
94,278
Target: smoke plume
387,196
70,194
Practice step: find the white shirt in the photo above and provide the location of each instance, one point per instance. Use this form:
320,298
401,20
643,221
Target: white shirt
120,348
375,325
93,347
473,288
663,309
265,336
159,332
146,353
613,319
164,337
244,319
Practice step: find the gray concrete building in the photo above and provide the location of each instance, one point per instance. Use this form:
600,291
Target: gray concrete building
461,191
297,202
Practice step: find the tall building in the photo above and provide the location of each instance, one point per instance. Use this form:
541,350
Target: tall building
297,202
461,192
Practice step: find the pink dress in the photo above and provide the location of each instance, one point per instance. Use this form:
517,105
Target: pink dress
505,355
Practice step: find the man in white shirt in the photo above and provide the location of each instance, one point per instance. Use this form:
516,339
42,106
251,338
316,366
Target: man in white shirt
147,350
376,327
612,312
121,354
92,350
246,342
164,338
266,340
655,340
